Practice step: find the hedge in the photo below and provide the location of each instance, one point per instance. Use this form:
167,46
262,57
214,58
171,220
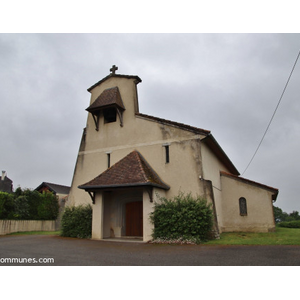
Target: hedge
77,221
182,218
28,205
291,224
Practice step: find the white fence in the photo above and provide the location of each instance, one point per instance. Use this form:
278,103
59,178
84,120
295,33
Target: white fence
9,226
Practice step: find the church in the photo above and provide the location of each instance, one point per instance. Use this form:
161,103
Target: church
127,160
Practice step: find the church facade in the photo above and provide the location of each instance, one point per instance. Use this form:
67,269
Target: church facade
127,160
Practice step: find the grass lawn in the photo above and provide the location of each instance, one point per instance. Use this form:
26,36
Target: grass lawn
282,236
36,233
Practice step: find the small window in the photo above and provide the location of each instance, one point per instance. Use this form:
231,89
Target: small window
108,160
167,152
110,115
243,206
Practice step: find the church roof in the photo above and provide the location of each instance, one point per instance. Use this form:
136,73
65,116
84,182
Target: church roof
269,188
209,140
107,98
137,79
175,124
132,170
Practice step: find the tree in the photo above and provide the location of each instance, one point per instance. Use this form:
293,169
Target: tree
295,215
278,214
281,216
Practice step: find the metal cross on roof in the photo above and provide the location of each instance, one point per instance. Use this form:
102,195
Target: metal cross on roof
113,69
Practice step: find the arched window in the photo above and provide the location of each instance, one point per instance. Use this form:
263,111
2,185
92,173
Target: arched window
243,206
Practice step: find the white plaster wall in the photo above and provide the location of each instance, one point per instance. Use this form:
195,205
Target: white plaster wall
148,208
97,222
211,171
141,134
259,207
181,173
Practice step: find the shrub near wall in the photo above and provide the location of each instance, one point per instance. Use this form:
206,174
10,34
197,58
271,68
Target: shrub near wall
181,219
77,222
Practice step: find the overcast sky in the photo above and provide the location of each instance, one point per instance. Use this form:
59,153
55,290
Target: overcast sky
227,83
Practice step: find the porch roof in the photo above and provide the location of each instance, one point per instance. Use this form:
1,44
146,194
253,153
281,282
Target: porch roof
109,97
131,171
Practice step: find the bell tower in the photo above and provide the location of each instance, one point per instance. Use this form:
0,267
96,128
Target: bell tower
112,96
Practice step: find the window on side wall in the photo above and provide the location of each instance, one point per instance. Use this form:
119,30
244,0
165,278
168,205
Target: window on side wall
167,153
108,159
243,206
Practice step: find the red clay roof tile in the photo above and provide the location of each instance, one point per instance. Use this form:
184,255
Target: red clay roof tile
107,98
132,170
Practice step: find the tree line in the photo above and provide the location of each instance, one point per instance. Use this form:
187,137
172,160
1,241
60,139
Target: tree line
28,205
281,216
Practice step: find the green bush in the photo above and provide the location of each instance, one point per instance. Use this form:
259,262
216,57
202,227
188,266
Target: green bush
48,207
6,205
182,218
21,208
77,221
28,205
35,200
291,224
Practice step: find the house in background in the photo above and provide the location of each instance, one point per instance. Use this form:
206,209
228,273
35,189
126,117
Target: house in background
61,191
127,160
6,184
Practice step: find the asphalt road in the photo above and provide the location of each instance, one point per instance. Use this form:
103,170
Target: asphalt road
58,251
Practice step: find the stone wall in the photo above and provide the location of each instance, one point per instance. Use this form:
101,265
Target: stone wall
9,226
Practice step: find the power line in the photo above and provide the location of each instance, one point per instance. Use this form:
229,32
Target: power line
273,114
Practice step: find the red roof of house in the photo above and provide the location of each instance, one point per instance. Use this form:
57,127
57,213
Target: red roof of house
132,170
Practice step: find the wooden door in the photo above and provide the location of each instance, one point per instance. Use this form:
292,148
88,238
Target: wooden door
134,218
